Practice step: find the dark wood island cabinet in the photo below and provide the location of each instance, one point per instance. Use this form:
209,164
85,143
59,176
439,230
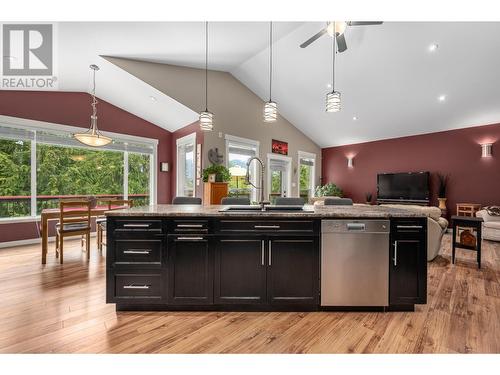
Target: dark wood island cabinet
226,262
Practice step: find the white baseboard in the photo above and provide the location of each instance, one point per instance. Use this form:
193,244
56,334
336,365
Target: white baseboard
31,241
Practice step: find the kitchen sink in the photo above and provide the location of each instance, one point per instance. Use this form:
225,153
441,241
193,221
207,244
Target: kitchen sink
267,208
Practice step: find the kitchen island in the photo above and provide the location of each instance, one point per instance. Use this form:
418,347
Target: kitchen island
175,257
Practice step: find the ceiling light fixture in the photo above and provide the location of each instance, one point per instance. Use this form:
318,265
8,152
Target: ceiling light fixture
270,108
206,117
153,99
339,28
442,98
93,136
433,47
333,98
354,118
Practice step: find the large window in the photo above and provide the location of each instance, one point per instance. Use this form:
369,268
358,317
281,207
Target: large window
40,164
239,151
186,166
307,165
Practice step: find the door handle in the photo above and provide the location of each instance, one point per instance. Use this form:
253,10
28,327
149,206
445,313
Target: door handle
136,251
189,239
136,286
262,252
270,251
395,259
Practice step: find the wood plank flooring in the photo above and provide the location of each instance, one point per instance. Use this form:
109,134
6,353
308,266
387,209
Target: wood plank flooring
61,309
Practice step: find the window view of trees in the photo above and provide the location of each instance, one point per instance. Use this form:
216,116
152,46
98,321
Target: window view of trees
15,178
66,171
238,186
305,181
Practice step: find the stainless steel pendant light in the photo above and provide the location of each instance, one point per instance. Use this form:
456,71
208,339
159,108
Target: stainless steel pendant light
206,117
93,136
270,108
333,98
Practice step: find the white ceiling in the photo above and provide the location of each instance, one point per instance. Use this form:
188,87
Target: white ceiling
387,77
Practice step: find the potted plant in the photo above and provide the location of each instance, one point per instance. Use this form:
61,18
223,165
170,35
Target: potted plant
325,191
368,197
442,187
221,173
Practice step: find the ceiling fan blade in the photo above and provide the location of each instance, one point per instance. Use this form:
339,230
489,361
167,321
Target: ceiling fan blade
364,23
313,38
341,43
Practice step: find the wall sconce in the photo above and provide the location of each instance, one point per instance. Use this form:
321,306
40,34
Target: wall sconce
164,167
349,161
486,150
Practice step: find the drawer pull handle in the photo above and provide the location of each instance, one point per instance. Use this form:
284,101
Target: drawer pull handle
136,251
266,226
190,239
189,225
409,227
132,286
136,225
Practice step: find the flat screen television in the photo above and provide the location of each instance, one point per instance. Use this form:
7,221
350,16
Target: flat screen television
411,186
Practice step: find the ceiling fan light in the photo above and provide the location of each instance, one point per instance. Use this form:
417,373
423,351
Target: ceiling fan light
206,121
333,101
339,26
270,112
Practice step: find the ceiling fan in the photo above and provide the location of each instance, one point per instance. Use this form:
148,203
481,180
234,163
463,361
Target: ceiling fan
339,32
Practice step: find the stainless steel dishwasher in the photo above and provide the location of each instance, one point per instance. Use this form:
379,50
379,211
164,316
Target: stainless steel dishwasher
355,262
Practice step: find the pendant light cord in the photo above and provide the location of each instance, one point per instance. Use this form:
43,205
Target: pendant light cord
94,99
270,59
206,66
333,56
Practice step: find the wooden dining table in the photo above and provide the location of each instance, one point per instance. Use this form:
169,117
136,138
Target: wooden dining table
54,213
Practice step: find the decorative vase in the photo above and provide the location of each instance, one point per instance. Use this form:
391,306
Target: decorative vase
442,203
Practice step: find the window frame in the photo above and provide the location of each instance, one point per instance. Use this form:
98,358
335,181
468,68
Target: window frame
41,126
312,182
249,143
187,139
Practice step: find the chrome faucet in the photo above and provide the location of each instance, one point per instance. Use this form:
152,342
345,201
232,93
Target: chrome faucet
262,203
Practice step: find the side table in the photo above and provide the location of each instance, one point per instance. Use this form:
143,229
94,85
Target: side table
471,223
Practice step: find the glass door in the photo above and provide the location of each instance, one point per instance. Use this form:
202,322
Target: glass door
279,177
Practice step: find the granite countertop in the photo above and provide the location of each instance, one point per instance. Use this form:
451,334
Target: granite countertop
355,211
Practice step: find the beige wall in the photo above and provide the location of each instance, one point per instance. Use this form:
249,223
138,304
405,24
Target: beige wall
237,110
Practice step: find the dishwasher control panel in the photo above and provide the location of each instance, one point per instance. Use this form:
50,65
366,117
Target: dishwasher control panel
363,226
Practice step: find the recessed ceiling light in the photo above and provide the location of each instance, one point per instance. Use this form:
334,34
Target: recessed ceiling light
433,47
354,118
442,98
153,99
329,85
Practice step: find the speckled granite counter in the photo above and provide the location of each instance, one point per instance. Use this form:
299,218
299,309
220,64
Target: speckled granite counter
356,211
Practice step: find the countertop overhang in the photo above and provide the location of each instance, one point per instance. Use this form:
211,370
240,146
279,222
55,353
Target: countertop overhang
319,212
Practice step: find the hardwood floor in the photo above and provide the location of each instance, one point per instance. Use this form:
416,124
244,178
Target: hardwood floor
60,308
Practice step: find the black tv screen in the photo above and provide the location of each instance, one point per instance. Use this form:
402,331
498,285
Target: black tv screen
403,186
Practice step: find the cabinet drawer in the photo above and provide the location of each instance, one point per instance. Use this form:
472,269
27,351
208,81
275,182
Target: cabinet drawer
409,226
228,226
138,251
138,226
187,226
129,285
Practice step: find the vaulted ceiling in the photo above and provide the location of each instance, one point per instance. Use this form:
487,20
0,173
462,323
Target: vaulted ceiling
389,79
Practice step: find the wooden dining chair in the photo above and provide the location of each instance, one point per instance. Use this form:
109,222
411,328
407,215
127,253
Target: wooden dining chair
74,220
115,204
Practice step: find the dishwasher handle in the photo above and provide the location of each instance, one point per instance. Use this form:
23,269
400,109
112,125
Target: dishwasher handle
356,227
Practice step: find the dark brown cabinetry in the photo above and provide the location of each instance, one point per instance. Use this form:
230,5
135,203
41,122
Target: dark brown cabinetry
189,269
408,263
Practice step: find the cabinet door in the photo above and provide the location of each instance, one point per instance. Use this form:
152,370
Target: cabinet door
408,265
240,271
190,270
293,271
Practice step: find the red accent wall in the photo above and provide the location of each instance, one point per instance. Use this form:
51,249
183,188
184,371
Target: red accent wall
189,129
73,108
455,152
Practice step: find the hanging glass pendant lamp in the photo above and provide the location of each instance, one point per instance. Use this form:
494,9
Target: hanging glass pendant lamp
333,98
206,117
93,136
270,108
